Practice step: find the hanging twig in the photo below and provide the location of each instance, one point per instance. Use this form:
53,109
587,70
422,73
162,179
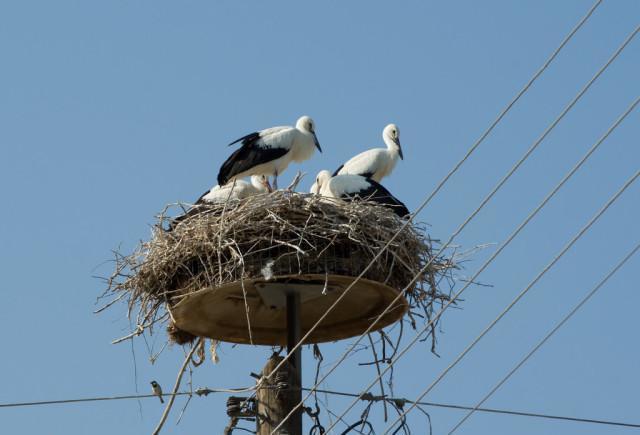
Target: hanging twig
172,398
375,358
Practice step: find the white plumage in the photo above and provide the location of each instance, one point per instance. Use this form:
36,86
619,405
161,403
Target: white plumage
235,190
269,152
350,187
376,163
315,188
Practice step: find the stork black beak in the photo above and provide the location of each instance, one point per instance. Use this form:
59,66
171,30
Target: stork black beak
315,141
397,141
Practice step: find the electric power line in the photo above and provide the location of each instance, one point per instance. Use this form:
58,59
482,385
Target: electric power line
206,391
449,174
568,316
478,409
486,199
198,392
575,168
580,233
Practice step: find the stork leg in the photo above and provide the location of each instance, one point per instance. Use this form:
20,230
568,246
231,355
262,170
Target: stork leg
275,181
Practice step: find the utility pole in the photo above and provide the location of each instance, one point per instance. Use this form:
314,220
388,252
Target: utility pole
284,392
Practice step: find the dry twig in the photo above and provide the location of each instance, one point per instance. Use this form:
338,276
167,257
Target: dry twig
264,236
172,398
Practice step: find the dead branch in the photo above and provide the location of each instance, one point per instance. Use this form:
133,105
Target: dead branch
172,398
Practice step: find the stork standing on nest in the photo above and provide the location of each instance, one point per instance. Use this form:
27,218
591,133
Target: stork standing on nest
376,163
269,152
349,187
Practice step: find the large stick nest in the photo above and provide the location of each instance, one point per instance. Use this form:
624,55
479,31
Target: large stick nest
281,233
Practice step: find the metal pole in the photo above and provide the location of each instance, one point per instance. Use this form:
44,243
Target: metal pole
273,404
294,333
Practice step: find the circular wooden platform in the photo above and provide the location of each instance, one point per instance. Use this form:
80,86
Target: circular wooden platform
219,313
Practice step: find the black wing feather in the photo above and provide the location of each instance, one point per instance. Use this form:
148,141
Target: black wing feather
378,193
248,139
246,157
196,209
364,174
201,200
368,176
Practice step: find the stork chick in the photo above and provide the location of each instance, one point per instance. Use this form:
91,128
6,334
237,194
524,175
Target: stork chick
350,187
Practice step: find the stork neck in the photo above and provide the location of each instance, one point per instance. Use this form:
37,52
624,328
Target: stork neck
303,146
392,147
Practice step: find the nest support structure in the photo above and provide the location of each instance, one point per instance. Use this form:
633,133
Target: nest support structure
281,237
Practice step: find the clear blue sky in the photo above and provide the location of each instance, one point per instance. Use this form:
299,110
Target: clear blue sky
110,110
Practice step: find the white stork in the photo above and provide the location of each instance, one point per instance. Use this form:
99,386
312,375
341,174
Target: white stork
269,152
235,190
349,187
376,163
315,188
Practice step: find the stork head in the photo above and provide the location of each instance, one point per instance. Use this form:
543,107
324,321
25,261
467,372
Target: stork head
391,135
322,178
261,183
306,125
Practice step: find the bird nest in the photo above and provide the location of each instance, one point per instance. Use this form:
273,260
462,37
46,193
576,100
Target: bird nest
270,235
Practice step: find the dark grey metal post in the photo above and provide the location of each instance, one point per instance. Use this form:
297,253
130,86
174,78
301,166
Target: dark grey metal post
273,404
294,334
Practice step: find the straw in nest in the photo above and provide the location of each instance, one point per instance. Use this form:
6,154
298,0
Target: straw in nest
281,233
